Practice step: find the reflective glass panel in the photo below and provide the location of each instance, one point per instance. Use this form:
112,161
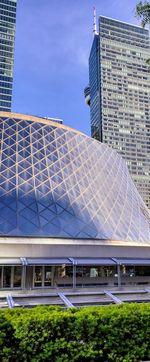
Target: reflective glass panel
38,276
63,271
17,276
95,271
142,271
134,271
7,277
47,276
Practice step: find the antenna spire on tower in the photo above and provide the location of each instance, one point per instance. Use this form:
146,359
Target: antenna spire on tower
94,21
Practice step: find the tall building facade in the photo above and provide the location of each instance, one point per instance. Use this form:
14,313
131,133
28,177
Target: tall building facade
119,95
7,39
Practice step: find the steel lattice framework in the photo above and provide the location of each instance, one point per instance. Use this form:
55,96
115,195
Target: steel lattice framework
57,182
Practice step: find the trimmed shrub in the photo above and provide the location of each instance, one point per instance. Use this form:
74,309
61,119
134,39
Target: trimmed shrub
7,339
112,333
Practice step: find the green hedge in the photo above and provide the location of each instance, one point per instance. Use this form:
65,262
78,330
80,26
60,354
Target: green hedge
113,333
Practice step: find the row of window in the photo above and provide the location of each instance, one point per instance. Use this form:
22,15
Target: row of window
9,13
5,97
6,72
6,79
129,138
45,276
7,47
6,42
120,25
113,33
138,56
8,2
5,86
5,91
5,66
5,104
7,19
6,54
132,96
137,132
121,66
128,40
5,6
123,46
4,30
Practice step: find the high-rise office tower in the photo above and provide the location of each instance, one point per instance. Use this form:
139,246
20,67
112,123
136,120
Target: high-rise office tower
7,39
119,95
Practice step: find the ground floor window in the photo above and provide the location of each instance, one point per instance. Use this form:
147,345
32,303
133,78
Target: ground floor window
47,276
85,271
96,271
42,276
11,276
38,276
17,277
7,271
135,271
142,271
63,271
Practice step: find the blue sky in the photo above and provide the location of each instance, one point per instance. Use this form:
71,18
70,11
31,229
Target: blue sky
53,40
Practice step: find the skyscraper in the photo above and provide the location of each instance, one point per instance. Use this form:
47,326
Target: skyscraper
119,95
7,38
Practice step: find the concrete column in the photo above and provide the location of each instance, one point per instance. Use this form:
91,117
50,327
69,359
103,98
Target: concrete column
53,276
24,277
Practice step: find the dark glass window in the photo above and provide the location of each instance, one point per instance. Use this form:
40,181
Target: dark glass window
7,277
38,276
17,276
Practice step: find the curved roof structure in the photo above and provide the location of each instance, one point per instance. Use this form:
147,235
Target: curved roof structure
57,182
